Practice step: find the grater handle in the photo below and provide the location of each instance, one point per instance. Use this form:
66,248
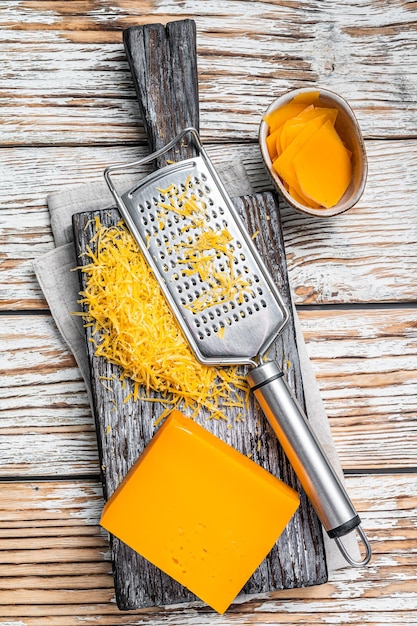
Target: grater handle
314,471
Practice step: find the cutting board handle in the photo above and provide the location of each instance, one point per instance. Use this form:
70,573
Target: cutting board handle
163,62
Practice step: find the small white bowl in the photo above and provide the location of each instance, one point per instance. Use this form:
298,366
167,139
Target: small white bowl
349,131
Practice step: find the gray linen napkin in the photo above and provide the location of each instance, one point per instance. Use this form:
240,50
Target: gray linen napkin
61,288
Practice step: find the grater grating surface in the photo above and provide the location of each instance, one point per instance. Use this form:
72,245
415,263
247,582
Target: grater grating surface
208,268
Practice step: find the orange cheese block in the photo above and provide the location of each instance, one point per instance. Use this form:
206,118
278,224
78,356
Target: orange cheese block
199,510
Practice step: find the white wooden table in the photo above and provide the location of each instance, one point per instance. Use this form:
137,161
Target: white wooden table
68,109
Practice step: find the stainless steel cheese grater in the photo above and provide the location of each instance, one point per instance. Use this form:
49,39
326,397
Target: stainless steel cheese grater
227,305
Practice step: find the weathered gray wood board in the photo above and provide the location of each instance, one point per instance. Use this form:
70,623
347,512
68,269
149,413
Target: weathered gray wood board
163,62
298,558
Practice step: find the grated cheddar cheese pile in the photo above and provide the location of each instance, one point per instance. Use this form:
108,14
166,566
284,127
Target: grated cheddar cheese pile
133,327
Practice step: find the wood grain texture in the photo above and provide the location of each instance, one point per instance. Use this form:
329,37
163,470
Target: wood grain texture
298,557
163,62
54,564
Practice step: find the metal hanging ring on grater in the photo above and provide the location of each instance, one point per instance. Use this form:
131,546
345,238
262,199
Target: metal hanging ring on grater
228,306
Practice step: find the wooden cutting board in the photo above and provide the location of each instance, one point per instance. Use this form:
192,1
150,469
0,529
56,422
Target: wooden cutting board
163,64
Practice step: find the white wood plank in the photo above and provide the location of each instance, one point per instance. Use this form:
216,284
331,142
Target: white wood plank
256,51
365,255
46,422
366,367
54,564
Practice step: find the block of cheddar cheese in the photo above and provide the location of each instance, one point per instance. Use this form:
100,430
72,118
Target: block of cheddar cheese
199,510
